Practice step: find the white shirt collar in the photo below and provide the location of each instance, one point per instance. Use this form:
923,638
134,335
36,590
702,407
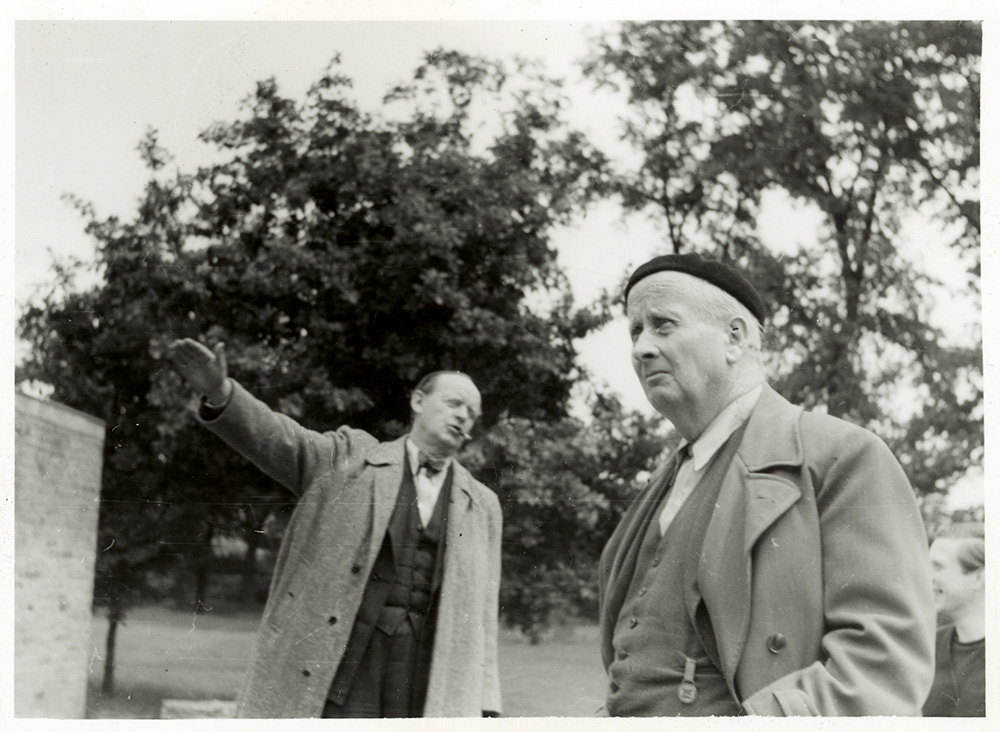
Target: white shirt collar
726,422
413,453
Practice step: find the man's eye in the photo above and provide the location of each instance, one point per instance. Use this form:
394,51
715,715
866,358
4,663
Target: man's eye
665,327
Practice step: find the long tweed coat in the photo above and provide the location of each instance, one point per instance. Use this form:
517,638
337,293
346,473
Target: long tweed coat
346,484
814,571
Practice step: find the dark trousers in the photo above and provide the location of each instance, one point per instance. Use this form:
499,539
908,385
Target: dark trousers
384,684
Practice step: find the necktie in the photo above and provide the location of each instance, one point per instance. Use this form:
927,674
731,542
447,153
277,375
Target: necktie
429,465
673,501
427,492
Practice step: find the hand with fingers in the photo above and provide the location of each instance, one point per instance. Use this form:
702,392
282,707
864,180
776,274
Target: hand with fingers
204,369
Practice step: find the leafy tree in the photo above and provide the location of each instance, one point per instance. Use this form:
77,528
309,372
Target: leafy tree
340,256
864,123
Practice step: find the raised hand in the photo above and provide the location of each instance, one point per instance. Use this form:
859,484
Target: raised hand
202,368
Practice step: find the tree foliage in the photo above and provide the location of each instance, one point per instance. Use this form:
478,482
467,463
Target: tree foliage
340,256
866,124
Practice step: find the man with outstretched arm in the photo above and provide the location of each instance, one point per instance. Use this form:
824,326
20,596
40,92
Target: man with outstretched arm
384,597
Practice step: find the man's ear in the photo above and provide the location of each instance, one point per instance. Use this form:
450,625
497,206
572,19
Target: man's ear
737,334
417,401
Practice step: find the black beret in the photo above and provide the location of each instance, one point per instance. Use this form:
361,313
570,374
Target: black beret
721,275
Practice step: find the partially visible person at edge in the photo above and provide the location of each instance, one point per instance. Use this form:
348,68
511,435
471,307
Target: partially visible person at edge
384,597
777,563
958,569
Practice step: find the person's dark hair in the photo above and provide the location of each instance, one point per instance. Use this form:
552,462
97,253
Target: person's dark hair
972,550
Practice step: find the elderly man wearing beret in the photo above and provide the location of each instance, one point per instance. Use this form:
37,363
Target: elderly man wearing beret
777,563
384,598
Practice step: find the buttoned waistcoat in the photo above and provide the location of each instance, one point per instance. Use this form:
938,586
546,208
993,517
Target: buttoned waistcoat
346,483
814,571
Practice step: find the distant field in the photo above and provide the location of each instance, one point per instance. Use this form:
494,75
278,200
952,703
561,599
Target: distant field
166,654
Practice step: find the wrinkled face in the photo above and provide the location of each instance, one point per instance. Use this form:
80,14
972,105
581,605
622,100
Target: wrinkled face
680,355
443,418
954,588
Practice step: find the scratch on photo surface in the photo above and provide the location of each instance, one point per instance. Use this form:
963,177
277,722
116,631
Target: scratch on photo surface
94,655
307,635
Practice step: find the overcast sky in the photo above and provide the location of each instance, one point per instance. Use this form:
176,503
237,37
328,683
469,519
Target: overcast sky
86,90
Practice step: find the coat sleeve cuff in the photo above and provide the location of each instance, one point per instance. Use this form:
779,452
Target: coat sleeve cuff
787,702
208,411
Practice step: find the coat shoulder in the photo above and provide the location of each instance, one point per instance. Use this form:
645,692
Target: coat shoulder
833,434
359,439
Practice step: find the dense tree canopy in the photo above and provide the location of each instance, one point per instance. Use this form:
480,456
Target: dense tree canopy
867,124
340,256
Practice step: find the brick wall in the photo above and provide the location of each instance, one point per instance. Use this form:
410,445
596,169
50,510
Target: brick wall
57,479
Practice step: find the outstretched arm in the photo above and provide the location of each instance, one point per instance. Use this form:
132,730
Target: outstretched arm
275,443
204,370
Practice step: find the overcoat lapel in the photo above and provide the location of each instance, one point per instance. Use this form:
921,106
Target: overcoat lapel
632,527
750,501
388,458
463,545
460,522
619,556
444,512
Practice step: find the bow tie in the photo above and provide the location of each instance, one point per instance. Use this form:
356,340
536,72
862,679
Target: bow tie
429,465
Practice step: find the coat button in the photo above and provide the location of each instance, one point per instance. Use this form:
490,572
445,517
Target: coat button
776,643
305,672
632,622
333,620
355,569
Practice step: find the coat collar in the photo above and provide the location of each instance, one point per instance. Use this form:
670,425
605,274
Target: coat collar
750,500
392,454
772,437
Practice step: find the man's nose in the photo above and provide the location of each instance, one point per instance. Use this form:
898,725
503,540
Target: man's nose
643,348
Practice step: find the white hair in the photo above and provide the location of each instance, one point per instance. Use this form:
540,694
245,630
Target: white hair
717,304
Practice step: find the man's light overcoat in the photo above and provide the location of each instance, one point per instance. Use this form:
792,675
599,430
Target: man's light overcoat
346,484
814,571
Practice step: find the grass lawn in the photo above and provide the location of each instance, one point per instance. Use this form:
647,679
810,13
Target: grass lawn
168,654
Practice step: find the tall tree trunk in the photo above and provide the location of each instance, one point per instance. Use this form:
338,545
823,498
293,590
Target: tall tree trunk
115,615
